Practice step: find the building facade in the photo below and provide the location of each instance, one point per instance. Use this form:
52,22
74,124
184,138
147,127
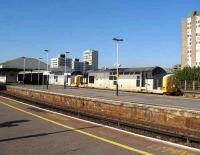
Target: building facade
91,56
190,56
76,65
60,61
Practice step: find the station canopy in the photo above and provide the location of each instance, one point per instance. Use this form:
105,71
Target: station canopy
18,64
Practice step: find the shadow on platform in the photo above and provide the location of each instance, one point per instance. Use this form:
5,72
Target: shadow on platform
12,123
45,134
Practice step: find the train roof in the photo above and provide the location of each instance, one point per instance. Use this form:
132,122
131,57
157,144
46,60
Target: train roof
139,69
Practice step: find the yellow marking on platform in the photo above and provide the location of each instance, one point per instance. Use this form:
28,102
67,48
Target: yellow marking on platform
82,132
176,151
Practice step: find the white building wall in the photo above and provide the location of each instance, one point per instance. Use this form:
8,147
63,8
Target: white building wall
189,42
198,41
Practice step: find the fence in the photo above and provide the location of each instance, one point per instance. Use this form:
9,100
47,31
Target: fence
189,85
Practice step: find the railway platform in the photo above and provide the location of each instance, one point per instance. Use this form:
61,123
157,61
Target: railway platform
27,129
128,97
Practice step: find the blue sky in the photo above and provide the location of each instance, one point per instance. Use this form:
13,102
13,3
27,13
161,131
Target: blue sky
151,29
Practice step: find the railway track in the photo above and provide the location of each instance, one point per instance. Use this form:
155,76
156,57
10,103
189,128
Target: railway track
133,127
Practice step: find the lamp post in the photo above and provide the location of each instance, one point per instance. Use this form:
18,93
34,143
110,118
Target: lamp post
39,70
47,55
24,69
65,69
117,40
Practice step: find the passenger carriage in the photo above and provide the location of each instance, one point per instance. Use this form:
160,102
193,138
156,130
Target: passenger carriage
147,79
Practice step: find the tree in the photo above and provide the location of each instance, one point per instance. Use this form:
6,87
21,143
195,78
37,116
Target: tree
188,74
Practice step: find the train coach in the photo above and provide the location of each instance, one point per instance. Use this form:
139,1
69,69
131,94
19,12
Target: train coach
147,79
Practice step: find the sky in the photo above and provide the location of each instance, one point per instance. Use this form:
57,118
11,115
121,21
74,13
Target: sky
151,29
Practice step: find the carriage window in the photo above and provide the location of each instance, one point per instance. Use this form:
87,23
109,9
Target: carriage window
155,85
143,78
56,78
110,77
138,81
91,79
159,82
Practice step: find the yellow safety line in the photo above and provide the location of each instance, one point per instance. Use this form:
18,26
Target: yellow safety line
82,132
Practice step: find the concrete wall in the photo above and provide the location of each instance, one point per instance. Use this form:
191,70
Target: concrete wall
192,94
186,122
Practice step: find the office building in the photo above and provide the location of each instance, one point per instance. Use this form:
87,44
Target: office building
76,66
91,56
191,40
60,61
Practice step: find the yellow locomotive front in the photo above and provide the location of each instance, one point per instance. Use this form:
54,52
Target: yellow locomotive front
169,85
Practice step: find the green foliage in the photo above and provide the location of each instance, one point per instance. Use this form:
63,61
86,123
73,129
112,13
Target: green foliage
189,74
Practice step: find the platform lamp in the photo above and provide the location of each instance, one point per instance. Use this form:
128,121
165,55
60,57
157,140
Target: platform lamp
39,59
65,69
47,59
117,40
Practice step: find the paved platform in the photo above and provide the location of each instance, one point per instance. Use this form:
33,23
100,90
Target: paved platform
130,97
26,130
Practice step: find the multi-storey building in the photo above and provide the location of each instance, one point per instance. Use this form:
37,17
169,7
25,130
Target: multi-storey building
91,56
191,40
76,65
60,61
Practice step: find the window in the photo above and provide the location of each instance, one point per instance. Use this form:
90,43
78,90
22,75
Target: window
111,77
56,78
114,82
126,73
155,84
91,79
159,82
138,81
144,74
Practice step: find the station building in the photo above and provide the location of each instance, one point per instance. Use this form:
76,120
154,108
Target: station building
10,69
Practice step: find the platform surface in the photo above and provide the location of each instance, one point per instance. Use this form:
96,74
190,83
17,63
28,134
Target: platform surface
28,130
